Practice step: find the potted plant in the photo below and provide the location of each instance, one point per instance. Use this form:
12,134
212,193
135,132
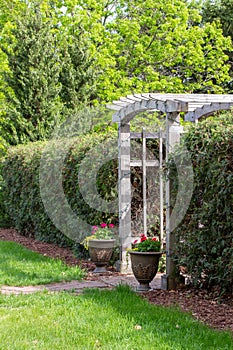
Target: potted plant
100,246
145,255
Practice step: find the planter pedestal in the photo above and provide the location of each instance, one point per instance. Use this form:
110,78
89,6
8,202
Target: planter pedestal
100,253
144,266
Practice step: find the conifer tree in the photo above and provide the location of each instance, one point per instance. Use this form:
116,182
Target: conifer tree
78,72
33,103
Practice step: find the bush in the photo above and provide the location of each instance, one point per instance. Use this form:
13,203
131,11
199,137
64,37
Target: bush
84,158
204,240
21,173
4,217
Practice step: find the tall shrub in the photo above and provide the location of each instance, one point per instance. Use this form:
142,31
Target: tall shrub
204,240
21,171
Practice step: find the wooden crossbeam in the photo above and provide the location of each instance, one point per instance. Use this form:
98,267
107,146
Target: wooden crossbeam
150,163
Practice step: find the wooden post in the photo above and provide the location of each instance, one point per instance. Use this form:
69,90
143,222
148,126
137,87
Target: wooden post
161,184
124,185
144,181
173,130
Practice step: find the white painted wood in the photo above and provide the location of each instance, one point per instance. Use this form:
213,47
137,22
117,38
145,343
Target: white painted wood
161,185
142,96
173,136
147,135
114,107
195,105
150,163
144,182
206,110
133,98
124,187
125,99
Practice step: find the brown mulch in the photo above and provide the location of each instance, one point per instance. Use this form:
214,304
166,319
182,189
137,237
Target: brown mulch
202,305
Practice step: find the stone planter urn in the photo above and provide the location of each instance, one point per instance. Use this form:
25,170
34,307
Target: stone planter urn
100,251
144,266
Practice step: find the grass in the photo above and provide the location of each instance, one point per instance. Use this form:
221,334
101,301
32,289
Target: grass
110,320
22,267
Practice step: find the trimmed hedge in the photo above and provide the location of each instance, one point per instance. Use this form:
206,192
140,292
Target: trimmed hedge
86,157
204,240
21,170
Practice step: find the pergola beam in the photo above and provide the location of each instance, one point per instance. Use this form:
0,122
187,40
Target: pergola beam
194,106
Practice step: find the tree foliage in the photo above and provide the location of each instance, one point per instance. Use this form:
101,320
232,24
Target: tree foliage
96,51
160,46
219,10
33,78
49,77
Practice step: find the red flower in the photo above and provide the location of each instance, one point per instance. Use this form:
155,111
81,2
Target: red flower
136,241
111,225
103,225
143,237
154,239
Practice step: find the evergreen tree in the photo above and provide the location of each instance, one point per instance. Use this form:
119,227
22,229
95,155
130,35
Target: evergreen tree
33,103
78,72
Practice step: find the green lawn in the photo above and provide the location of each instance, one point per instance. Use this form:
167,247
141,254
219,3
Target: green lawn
117,319
22,267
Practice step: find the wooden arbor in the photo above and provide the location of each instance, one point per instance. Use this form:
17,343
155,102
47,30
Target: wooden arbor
194,106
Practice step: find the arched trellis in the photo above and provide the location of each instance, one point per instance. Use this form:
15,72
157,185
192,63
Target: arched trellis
193,106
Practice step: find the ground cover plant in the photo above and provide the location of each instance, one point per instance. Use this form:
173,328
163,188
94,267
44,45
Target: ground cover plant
117,319
22,267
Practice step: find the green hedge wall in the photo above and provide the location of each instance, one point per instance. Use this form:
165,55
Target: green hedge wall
21,171
204,240
94,156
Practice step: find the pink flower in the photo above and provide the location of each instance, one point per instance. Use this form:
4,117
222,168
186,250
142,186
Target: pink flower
136,241
110,225
154,239
94,229
103,225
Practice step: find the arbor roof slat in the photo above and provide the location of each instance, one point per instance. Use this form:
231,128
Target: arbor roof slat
193,105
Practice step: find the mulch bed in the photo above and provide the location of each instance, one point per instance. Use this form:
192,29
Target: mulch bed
203,306
200,304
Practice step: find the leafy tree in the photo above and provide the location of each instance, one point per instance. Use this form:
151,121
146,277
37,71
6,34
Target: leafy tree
154,46
221,10
162,46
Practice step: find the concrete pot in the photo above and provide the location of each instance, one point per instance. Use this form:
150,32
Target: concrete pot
144,266
100,251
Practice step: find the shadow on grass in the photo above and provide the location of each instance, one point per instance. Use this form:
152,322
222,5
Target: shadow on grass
168,327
